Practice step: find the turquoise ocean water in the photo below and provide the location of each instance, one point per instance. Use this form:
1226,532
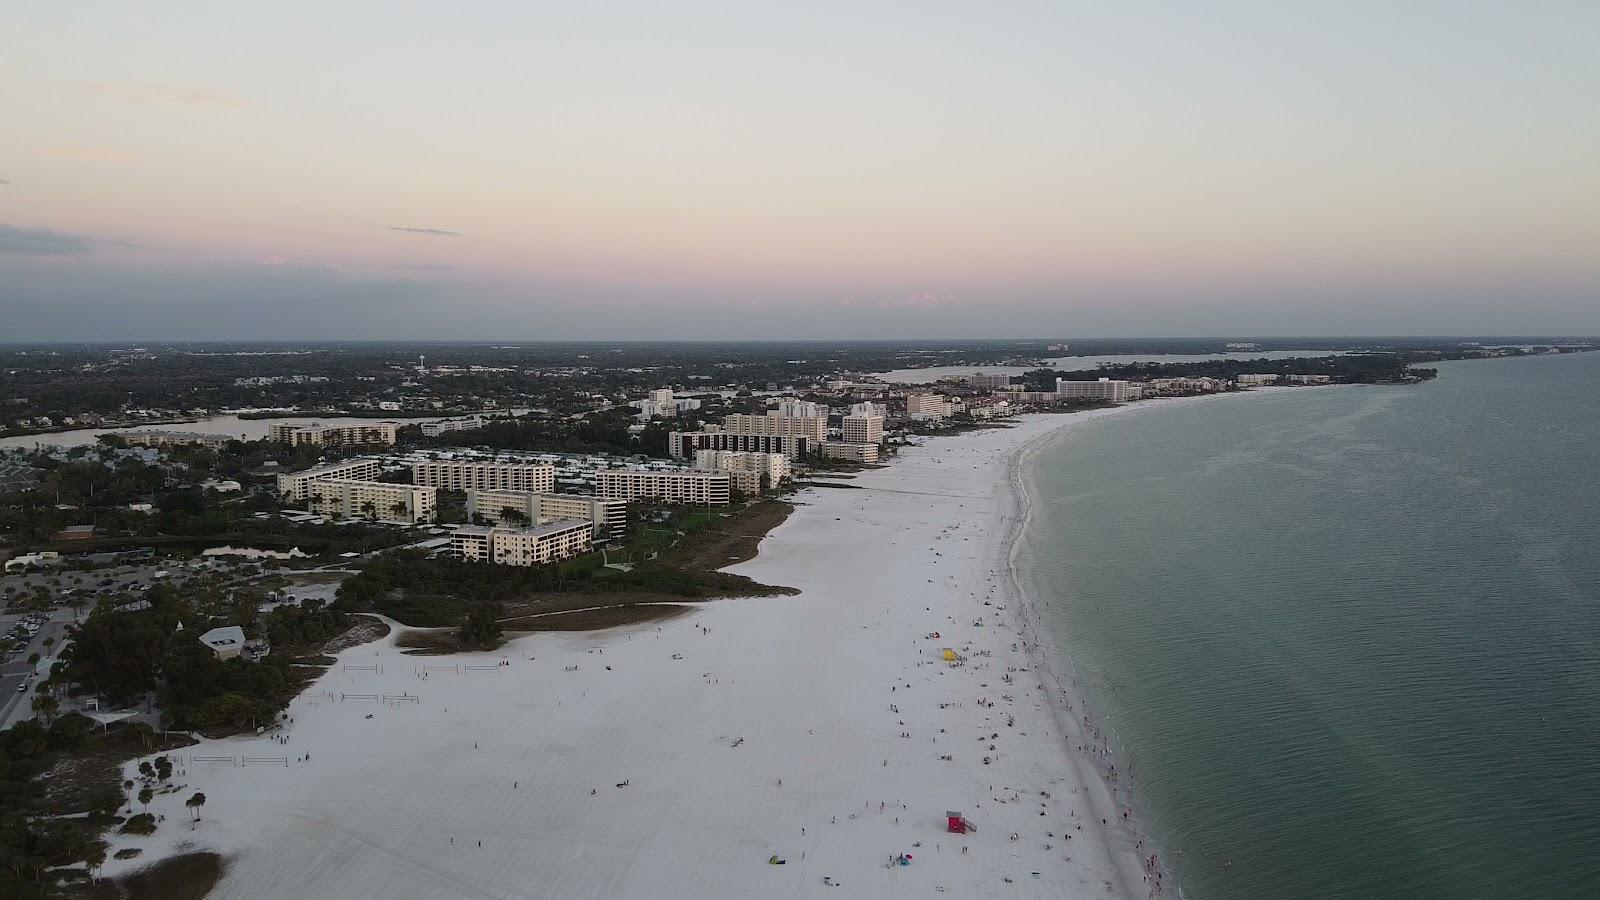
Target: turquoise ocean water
1348,639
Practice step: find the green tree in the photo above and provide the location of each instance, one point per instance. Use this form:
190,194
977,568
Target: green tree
194,803
482,627
145,796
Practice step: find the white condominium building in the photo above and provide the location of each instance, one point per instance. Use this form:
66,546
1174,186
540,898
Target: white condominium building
535,545
454,475
380,501
814,428
1309,379
681,486
334,435
746,469
295,487
861,453
868,408
862,429
445,426
609,518
1101,389
799,409
1244,380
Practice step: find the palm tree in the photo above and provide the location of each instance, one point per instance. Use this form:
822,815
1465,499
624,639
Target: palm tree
370,508
145,796
194,803
399,508
127,786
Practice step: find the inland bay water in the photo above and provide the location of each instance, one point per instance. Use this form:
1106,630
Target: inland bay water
1346,639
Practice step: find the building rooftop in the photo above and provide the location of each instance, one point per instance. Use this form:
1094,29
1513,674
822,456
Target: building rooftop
227,636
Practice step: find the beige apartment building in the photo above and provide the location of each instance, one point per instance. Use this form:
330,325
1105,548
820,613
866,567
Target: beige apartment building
861,453
685,444
535,545
296,487
455,475
813,428
685,486
925,407
745,469
158,438
334,435
862,429
380,501
609,517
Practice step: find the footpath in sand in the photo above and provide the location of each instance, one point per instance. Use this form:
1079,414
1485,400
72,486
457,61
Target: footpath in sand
675,759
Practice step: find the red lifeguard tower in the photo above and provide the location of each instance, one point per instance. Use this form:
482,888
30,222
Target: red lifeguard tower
958,823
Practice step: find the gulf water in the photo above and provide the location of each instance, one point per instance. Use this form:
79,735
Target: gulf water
1346,639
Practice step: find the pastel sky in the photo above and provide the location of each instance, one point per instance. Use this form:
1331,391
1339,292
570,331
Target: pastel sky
746,170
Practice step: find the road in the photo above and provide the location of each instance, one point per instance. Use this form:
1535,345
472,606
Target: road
17,705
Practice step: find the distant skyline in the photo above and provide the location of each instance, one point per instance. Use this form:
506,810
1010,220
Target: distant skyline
525,171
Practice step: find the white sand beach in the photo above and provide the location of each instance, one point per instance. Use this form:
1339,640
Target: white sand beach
674,760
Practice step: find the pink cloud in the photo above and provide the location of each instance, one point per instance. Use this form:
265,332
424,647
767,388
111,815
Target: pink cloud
170,94
88,154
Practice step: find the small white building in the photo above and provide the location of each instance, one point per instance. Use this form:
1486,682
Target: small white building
27,560
226,642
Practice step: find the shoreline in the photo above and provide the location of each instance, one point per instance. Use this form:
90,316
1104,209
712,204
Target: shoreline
1068,704
743,729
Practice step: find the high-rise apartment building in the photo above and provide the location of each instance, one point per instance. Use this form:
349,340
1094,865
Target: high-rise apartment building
861,453
746,469
862,429
535,545
458,475
1100,389
380,501
814,428
922,407
681,486
989,382
609,517
684,444
799,409
334,435
296,487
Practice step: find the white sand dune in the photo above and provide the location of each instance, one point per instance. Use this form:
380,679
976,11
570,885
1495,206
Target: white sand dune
816,690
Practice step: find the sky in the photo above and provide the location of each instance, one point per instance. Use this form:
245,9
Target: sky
754,170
